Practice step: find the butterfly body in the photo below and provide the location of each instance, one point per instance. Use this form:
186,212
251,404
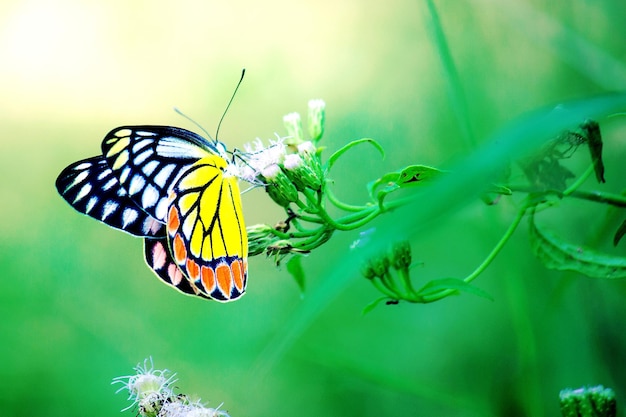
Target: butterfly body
177,190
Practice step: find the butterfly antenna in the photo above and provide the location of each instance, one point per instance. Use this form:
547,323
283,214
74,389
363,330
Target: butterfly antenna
243,72
177,110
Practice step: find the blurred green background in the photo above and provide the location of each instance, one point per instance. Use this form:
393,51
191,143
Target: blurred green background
79,306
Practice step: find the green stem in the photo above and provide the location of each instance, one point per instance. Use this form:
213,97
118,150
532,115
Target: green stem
612,199
579,181
408,285
388,281
339,204
383,289
326,217
494,252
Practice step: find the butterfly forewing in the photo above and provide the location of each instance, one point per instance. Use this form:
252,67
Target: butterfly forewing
206,232
91,188
147,160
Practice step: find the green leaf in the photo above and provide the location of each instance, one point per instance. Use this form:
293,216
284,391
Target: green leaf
437,285
333,158
555,253
621,231
594,140
411,176
373,305
294,267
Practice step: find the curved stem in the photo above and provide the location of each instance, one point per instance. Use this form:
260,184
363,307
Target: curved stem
579,181
339,204
324,215
494,252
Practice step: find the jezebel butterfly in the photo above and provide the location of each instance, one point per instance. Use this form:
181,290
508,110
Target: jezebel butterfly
180,193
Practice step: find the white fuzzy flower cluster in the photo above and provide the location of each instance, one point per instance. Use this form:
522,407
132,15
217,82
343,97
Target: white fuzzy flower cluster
151,391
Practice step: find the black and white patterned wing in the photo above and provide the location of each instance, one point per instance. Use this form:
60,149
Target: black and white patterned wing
92,189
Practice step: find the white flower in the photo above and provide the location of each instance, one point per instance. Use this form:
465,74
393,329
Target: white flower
292,161
258,158
148,385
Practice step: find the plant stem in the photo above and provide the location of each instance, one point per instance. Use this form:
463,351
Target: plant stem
494,252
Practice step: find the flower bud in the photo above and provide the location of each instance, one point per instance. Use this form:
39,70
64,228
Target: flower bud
293,124
279,186
376,267
300,174
316,119
401,255
260,236
588,402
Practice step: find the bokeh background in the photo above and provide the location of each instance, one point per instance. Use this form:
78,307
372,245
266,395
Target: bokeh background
79,307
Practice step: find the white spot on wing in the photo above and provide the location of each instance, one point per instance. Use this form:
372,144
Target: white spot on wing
90,204
110,183
162,208
189,223
141,144
80,178
108,209
129,215
136,184
83,192
149,168
139,159
150,196
171,147
82,166
104,174
124,175
164,174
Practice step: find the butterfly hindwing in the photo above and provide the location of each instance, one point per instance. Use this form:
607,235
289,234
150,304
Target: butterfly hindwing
91,188
160,260
206,231
147,161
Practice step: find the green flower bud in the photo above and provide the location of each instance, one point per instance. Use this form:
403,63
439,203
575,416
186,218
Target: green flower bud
293,124
401,255
376,267
588,402
316,119
310,156
300,174
260,236
279,186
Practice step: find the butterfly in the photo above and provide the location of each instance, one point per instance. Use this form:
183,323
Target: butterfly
179,192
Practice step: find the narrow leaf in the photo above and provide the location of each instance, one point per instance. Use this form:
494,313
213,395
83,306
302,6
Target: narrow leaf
556,253
294,267
621,231
373,305
437,285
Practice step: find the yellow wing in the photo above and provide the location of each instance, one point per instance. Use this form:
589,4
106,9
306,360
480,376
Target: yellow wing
206,232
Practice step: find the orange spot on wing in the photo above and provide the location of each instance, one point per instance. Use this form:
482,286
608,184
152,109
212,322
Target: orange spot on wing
173,221
238,272
208,278
180,252
224,279
193,270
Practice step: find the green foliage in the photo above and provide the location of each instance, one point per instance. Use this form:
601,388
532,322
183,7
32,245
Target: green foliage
588,402
557,253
